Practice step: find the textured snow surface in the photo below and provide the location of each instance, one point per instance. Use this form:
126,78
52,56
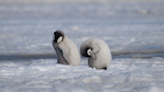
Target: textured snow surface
133,28
123,75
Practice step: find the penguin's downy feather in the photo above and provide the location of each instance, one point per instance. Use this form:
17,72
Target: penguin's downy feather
66,51
100,54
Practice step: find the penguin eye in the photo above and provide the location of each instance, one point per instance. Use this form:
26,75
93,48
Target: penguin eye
60,39
89,52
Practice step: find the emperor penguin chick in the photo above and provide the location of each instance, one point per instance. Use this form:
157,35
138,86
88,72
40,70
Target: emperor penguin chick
67,51
98,52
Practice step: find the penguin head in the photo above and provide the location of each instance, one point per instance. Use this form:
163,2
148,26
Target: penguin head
86,51
58,36
89,52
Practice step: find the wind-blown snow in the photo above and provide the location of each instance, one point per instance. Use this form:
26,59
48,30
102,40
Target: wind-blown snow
123,75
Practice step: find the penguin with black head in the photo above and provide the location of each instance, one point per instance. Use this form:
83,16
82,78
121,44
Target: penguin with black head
67,51
98,53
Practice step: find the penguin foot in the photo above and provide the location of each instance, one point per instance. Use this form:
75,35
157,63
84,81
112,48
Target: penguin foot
104,68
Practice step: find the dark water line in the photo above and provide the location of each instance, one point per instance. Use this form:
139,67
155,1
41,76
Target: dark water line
142,56
25,57
53,56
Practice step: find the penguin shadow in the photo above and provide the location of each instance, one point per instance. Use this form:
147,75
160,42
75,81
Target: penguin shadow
96,50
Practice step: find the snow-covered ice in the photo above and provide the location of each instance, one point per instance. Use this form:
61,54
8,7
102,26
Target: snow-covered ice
123,75
131,29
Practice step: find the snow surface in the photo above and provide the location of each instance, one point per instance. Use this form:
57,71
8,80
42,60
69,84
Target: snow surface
123,75
132,28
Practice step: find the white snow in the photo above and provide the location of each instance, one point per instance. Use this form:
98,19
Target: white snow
123,75
131,29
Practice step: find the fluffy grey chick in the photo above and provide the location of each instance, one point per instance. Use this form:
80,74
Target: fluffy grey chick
67,51
98,52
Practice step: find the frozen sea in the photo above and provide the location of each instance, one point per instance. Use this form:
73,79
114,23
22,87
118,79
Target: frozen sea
134,31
